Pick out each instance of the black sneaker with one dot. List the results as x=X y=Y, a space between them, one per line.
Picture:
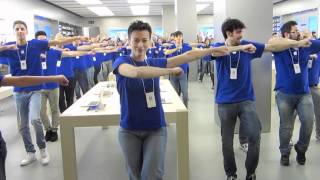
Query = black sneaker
x=54 y=136
x=251 y=177
x=301 y=156
x=285 y=160
x=234 y=177
x=48 y=135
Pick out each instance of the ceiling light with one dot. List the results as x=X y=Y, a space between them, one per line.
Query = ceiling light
x=140 y=10
x=101 y=11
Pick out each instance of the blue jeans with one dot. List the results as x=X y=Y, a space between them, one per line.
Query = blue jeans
x=81 y=81
x=90 y=75
x=287 y=105
x=144 y=153
x=28 y=106
x=251 y=129
x=180 y=84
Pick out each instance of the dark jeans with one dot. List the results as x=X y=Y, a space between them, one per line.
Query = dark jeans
x=3 y=155
x=207 y=67
x=82 y=79
x=287 y=105
x=96 y=73
x=66 y=95
x=251 y=128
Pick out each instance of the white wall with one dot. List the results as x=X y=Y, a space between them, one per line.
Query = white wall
x=11 y=10
x=123 y=22
x=293 y=6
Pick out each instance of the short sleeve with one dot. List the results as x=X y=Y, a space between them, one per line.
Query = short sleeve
x=260 y=49
x=118 y=62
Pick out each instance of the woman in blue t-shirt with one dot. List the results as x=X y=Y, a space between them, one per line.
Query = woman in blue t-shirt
x=143 y=133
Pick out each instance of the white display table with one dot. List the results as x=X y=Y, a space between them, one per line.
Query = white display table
x=78 y=116
x=6 y=92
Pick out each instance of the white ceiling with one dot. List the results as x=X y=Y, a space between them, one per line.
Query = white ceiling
x=118 y=7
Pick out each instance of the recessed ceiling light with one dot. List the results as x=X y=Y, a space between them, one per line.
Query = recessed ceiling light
x=101 y=11
x=140 y=10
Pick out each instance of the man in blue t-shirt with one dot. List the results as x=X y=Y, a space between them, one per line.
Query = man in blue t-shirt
x=143 y=133
x=293 y=94
x=50 y=60
x=235 y=95
x=25 y=60
x=21 y=81
x=180 y=83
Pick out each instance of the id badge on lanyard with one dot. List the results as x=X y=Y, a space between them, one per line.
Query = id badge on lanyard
x=233 y=73
x=151 y=100
x=44 y=65
x=297 y=69
x=59 y=63
x=310 y=61
x=23 y=64
x=94 y=59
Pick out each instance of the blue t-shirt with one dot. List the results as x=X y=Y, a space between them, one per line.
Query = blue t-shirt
x=286 y=80
x=67 y=63
x=97 y=59
x=89 y=61
x=185 y=48
x=160 y=51
x=52 y=58
x=80 y=63
x=240 y=89
x=314 y=72
x=4 y=60
x=107 y=56
x=205 y=58
x=32 y=56
x=151 y=53
x=123 y=51
x=135 y=115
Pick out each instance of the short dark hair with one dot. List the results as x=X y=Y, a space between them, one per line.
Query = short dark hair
x=231 y=25
x=40 y=33
x=177 y=33
x=139 y=25
x=286 y=27
x=19 y=22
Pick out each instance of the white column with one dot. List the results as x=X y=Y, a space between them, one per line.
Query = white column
x=168 y=20
x=186 y=20
x=259 y=28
